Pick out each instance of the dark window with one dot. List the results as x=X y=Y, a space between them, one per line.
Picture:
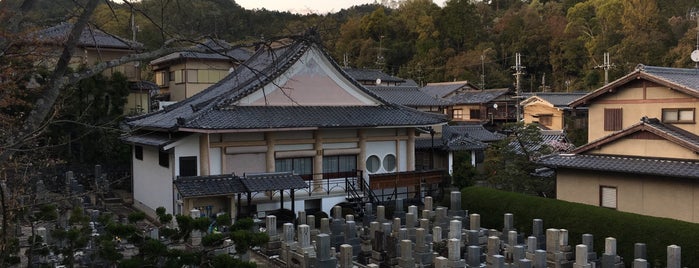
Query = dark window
x=608 y=197
x=302 y=166
x=475 y=113
x=612 y=119
x=138 y=152
x=546 y=119
x=188 y=166
x=163 y=159
x=338 y=166
x=678 y=115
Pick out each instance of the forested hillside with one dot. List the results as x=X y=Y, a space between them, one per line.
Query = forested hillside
x=561 y=42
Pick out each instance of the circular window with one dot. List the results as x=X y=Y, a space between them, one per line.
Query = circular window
x=389 y=162
x=373 y=163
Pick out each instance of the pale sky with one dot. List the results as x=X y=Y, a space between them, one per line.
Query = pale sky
x=306 y=6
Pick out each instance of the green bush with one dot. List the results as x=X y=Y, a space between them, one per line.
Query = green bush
x=579 y=219
x=212 y=240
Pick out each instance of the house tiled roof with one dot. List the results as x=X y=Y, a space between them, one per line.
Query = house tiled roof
x=213 y=50
x=157 y=139
x=680 y=79
x=476 y=131
x=362 y=74
x=624 y=164
x=90 y=37
x=272 y=181
x=442 y=89
x=407 y=95
x=477 y=96
x=557 y=99
x=451 y=144
x=214 y=185
x=672 y=133
x=215 y=107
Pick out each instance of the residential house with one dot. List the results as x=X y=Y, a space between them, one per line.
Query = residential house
x=550 y=110
x=95 y=46
x=473 y=105
x=649 y=166
x=181 y=75
x=291 y=108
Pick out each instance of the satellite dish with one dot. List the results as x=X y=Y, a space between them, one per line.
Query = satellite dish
x=378 y=80
x=695 y=55
x=495 y=105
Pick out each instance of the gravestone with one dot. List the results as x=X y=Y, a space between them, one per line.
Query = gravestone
x=325 y=255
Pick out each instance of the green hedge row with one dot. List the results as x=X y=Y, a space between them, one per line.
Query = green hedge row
x=579 y=219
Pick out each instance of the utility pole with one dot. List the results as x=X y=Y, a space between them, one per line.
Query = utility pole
x=482 y=72
x=606 y=66
x=519 y=70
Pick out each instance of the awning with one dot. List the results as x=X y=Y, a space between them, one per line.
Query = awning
x=273 y=181
x=215 y=185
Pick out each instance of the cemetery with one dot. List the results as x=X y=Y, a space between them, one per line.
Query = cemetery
x=440 y=237
x=390 y=234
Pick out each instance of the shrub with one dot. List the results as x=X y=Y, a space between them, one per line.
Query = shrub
x=579 y=219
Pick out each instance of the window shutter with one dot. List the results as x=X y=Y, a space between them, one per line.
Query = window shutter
x=612 y=119
x=608 y=197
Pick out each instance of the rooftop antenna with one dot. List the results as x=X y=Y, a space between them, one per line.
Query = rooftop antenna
x=482 y=72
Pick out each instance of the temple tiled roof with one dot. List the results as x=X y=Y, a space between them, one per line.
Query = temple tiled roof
x=216 y=107
x=90 y=37
x=624 y=164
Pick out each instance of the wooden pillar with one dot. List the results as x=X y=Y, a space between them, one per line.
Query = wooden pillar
x=361 y=162
x=318 y=162
x=204 y=154
x=293 y=200
x=410 y=150
x=269 y=137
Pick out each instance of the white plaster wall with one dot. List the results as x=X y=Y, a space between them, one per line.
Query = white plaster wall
x=188 y=146
x=381 y=149
x=215 y=167
x=329 y=202
x=269 y=206
x=152 y=183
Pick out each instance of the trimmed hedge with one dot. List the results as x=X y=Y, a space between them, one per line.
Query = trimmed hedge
x=579 y=219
